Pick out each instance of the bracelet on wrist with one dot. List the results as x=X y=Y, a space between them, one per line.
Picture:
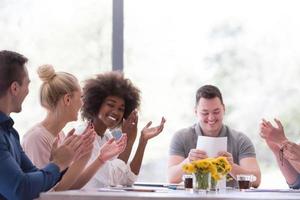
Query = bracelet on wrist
x=101 y=159
x=282 y=146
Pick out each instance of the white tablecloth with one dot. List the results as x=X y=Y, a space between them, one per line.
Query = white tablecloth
x=167 y=194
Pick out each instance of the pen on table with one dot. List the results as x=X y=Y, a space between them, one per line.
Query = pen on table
x=139 y=190
x=149 y=184
x=172 y=187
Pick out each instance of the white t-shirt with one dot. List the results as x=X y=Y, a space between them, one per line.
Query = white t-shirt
x=113 y=172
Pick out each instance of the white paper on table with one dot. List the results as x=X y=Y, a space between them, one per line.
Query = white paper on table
x=212 y=145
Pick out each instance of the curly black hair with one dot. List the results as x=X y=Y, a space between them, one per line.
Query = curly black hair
x=107 y=84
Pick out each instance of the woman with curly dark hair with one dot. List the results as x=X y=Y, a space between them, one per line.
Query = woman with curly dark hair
x=111 y=101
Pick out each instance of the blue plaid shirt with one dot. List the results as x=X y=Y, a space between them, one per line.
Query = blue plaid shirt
x=19 y=178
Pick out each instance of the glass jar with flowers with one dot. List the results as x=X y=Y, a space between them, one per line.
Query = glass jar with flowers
x=223 y=167
x=207 y=172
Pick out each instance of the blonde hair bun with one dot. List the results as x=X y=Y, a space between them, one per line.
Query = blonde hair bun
x=46 y=73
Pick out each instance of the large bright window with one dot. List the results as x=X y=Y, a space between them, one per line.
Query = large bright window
x=250 y=49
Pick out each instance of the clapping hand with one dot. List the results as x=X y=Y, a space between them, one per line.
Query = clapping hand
x=129 y=126
x=272 y=135
x=112 y=148
x=88 y=137
x=63 y=155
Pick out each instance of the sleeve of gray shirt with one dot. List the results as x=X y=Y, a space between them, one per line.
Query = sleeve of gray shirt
x=246 y=147
x=177 y=144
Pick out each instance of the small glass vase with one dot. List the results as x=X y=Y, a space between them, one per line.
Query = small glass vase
x=214 y=185
x=202 y=182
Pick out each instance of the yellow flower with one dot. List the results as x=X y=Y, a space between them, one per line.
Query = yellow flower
x=222 y=165
x=228 y=168
x=222 y=161
x=202 y=166
x=216 y=176
x=189 y=168
x=185 y=167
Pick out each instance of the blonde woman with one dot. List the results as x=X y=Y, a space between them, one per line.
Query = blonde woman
x=60 y=95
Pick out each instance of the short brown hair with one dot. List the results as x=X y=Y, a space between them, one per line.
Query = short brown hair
x=11 y=69
x=208 y=92
x=107 y=84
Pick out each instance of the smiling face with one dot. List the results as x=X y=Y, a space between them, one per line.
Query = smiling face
x=210 y=114
x=20 y=91
x=111 y=111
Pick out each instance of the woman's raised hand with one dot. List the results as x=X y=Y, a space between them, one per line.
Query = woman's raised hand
x=150 y=132
x=112 y=148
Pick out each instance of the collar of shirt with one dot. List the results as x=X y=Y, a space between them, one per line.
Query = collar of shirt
x=102 y=140
x=6 y=121
x=223 y=132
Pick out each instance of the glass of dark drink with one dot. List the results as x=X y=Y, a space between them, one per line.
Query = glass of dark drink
x=188 y=181
x=244 y=181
